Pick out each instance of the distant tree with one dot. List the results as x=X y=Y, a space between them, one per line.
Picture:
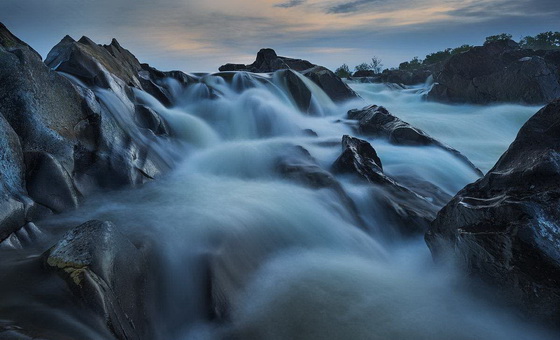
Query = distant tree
x=498 y=37
x=376 y=65
x=343 y=71
x=436 y=57
x=411 y=65
x=461 y=49
x=439 y=56
x=363 y=67
x=542 y=41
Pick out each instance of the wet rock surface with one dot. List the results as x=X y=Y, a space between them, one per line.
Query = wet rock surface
x=61 y=141
x=504 y=228
x=377 y=121
x=107 y=272
x=405 y=208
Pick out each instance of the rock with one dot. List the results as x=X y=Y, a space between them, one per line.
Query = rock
x=377 y=121
x=364 y=73
x=504 y=228
x=300 y=93
x=268 y=61
x=298 y=165
x=76 y=141
x=406 y=77
x=48 y=183
x=498 y=72
x=106 y=271
x=147 y=118
x=333 y=86
x=410 y=212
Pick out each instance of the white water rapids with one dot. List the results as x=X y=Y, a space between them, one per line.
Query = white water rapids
x=292 y=260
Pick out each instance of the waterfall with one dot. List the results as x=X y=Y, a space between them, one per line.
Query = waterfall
x=292 y=260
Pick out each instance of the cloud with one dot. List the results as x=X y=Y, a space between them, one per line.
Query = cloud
x=290 y=4
x=349 y=7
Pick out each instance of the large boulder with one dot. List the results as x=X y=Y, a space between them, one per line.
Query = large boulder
x=505 y=227
x=268 y=61
x=376 y=121
x=62 y=140
x=107 y=272
x=498 y=72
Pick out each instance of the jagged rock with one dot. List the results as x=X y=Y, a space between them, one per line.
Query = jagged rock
x=498 y=72
x=505 y=227
x=75 y=141
x=377 y=121
x=106 y=271
x=406 y=209
x=268 y=61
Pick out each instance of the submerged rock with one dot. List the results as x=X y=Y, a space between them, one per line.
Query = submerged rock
x=377 y=121
x=498 y=72
x=107 y=272
x=505 y=227
x=404 y=208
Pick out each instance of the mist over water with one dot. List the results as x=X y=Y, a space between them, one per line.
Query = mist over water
x=292 y=261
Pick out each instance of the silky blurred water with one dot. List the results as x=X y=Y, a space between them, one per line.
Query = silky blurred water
x=291 y=259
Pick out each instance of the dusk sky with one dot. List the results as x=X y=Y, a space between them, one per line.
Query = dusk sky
x=202 y=35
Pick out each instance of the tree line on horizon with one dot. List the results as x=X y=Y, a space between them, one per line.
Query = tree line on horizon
x=542 y=41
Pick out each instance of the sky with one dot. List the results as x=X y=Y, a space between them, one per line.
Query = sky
x=199 y=36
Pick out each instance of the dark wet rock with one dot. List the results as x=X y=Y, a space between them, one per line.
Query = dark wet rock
x=106 y=271
x=298 y=165
x=268 y=61
x=406 y=77
x=364 y=73
x=300 y=93
x=48 y=183
x=147 y=118
x=504 y=228
x=498 y=72
x=333 y=86
x=76 y=141
x=402 y=207
x=377 y=121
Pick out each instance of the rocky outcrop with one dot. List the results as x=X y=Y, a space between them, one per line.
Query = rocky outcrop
x=403 y=77
x=500 y=71
x=406 y=209
x=268 y=61
x=377 y=121
x=60 y=139
x=105 y=271
x=505 y=228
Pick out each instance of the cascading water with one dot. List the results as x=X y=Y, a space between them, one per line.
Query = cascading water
x=291 y=261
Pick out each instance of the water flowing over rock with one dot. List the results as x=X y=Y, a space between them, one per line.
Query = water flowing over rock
x=504 y=228
x=268 y=61
x=64 y=139
x=405 y=208
x=377 y=121
x=498 y=72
